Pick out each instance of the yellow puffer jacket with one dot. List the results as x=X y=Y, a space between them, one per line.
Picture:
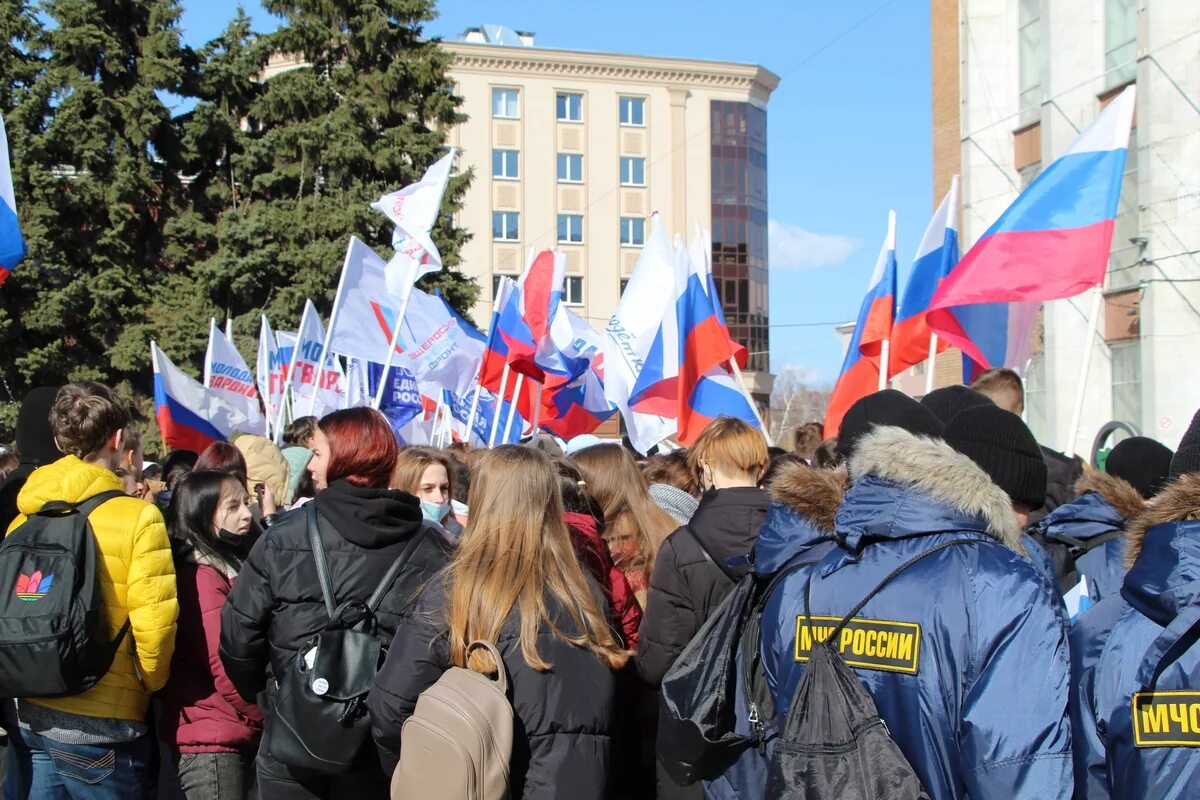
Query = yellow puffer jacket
x=137 y=583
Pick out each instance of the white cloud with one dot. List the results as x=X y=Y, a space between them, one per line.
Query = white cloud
x=792 y=247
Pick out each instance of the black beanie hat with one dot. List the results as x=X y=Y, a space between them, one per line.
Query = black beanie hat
x=888 y=407
x=946 y=403
x=1143 y=462
x=1187 y=455
x=35 y=440
x=1000 y=443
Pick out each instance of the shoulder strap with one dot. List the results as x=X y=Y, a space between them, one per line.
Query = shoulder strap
x=837 y=629
x=85 y=507
x=1081 y=547
x=708 y=556
x=394 y=571
x=1175 y=639
x=314 y=541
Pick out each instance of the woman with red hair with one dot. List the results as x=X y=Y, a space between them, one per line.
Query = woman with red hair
x=276 y=606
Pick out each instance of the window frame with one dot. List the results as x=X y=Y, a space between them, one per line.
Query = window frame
x=516 y=215
x=568 y=159
x=573 y=280
x=516 y=93
x=516 y=159
x=568 y=96
x=632 y=100
x=569 y=218
x=640 y=223
x=630 y=160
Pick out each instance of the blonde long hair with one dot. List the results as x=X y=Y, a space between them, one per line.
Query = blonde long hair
x=516 y=553
x=617 y=484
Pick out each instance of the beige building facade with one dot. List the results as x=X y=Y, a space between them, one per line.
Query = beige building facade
x=576 y=150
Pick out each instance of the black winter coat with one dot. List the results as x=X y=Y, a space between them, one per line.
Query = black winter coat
x=564 y=716
x=687 y=585
x=275 y=605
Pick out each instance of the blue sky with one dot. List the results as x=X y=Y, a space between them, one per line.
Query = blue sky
x=848 y=128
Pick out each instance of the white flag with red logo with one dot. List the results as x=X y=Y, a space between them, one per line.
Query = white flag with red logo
x=414 y=210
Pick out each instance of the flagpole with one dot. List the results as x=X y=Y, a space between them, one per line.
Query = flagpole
x=741 y=382
x=290 y=379
x=333 y=315
x=208 y=353
x=499 y=405
x=884 y=352
x=474 y=409
x=512 y=409
x=1085 y=364
x=387 y=364
x=537 y=408
x=931 y=363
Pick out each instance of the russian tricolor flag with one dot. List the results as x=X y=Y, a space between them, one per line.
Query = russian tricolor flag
x=1052 y=242
x=189 y=416
x=936 y=256
x=12 y=244
x=524 y=322
x=860 y=369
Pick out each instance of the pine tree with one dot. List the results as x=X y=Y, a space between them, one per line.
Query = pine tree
x=96 y=165
x=367 y=115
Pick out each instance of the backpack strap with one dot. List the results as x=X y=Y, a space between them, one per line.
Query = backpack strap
x=394 y=571
x=837 y=629
x=314 y=541
x=1176 y=639
x=1081 y=547
x=708 y=556
x=56 y=508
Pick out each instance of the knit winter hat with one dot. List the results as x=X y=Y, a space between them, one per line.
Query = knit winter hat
x=1143 y=462
x=1187 y=455
x=1000 y=443
x=946 y=403
x=35 y=440
x=891 y=408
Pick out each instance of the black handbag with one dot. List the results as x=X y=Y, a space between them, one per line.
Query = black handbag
x=319 y=719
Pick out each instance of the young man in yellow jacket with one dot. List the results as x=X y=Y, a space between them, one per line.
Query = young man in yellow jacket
x=95 y=746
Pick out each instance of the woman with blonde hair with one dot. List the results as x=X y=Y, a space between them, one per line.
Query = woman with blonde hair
x=634 y=526
x=428 y=474
x=515 y=581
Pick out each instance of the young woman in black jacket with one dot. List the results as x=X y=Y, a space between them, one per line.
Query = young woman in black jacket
x=276 y=604
x=516 y=581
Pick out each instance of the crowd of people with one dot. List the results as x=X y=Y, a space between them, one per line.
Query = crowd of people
x=930 y=547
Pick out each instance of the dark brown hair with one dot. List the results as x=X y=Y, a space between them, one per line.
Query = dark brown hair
x=807 y=439
x=672 y=469
x=84 y=416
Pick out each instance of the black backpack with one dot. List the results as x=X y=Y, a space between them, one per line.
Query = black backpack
x=319 y=719
x=833 y=742
x=54 y=638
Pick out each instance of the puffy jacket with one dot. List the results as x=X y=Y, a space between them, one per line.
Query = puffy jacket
x=1104 y=505
x=564 y=716
x=593 y=554
x=1115 y=649
x=965 y=652
x=276 y=606
x=799 y=529
x=137 y=584
x=201 y=711
x=691 y=578
x=265 y=463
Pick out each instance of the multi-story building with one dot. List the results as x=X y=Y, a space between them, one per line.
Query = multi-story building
x=576 y=150
x=1013 y=83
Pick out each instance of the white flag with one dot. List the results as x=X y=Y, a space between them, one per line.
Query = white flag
x=631 y=331
x=271 y=368
x=365 y=312
x=414 y=210
x=306 y=394
x=439 y=346
x=227 y=376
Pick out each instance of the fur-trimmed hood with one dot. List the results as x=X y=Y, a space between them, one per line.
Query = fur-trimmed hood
x=1117 y=492
x=933 y=488
x=1163 y=551
x=804 y=504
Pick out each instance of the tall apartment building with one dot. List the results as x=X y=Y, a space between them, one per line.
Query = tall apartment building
x=1013 y=83
x=575 y=150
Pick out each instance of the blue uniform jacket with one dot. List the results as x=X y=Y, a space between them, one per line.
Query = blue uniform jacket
x=1104 y=506
x=965 y=653
x=1151 y=752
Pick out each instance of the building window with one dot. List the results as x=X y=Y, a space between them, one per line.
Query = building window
x=506 y=164
x=1029 y=36
x=1125 y=258
x=505 y=103
x=570 y=107
x=1120 y=41
x=633 y=231
x=570 y=228
x=624 y=284
x=573 y=290
x=633 y=111
x=633 y=171
x=570 y=168
x=497 y=277
x=506 y=226
x=1127 y=381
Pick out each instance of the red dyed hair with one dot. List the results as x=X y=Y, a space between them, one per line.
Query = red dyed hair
x=362 y=447
x=223 y=457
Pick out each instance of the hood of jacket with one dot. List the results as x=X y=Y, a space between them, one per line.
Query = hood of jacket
x=907 y=485
x=369 y=518
x=265 y=463
x=1163 y=552
x=804 y=504
x=728 y=520
x=69 y=479
x=1104 y=503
